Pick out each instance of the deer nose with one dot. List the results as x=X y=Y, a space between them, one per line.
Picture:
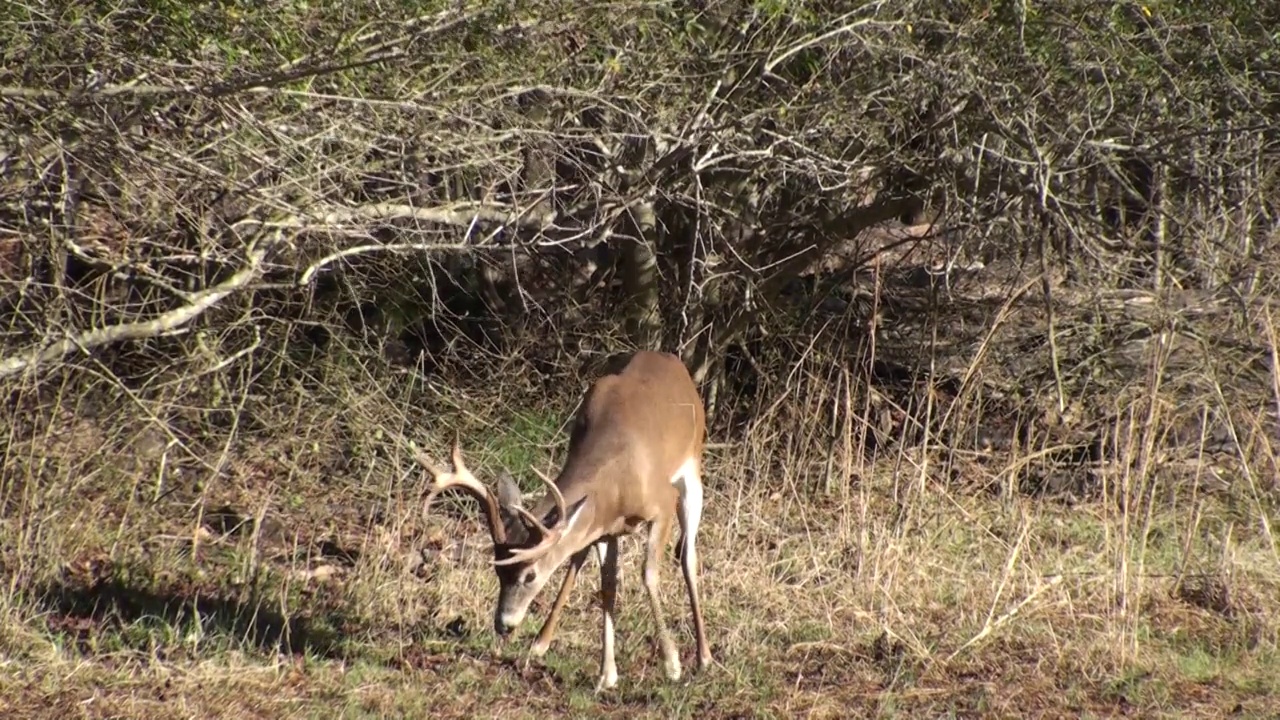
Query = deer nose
x=503 y=624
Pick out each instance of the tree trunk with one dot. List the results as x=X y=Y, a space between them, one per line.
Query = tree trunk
x=640 y=279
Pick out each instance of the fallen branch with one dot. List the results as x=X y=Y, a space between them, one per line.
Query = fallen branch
x=155 y=327
x=463 y=214
x=317 y=266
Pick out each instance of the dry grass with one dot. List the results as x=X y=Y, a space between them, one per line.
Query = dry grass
x=298 y=579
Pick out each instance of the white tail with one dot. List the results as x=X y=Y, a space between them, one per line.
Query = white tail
x=635 y=458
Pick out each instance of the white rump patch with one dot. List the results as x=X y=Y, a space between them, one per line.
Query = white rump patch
x=689 y=511
x=685 y=470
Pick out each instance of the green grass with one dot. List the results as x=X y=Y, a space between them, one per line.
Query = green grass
x=520 y=445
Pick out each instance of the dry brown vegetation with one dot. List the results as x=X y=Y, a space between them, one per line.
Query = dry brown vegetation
x=982 y=298
x=296 y=576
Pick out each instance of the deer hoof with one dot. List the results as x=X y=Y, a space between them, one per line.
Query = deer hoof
x=607 y=681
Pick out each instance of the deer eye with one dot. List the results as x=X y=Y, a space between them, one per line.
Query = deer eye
x=528 y=577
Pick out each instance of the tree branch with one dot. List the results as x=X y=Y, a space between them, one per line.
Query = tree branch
x=166 y=322
x=462 y=215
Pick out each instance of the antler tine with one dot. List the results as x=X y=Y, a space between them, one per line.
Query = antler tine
x=461 y=477
x=549 y=538
x=561 y=512
x=459 y=466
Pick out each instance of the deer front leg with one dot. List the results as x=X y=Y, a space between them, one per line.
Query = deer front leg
x=548 y=631
x=659 y=534
x=608 y=550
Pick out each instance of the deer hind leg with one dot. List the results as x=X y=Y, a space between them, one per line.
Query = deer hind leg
x=689 y=482
x=608 y=552
x=659 y=534
x=548 y=631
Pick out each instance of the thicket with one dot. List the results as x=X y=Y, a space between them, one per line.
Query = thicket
x=981 y=224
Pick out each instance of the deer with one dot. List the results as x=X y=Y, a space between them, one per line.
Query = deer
x=634 y=462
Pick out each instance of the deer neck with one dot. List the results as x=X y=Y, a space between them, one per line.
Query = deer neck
x=590 y=482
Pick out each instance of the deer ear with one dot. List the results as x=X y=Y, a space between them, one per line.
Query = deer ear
x=508 y=492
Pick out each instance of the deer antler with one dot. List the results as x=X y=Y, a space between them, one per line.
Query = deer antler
x=548 y=536
x=561 y=513
x=461 y=477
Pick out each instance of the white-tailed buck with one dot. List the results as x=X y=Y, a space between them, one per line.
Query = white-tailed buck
x=635 y=456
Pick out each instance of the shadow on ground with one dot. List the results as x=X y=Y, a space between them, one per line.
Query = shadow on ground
x=87 y=613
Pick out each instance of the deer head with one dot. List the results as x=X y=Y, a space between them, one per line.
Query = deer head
x=524 y=545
